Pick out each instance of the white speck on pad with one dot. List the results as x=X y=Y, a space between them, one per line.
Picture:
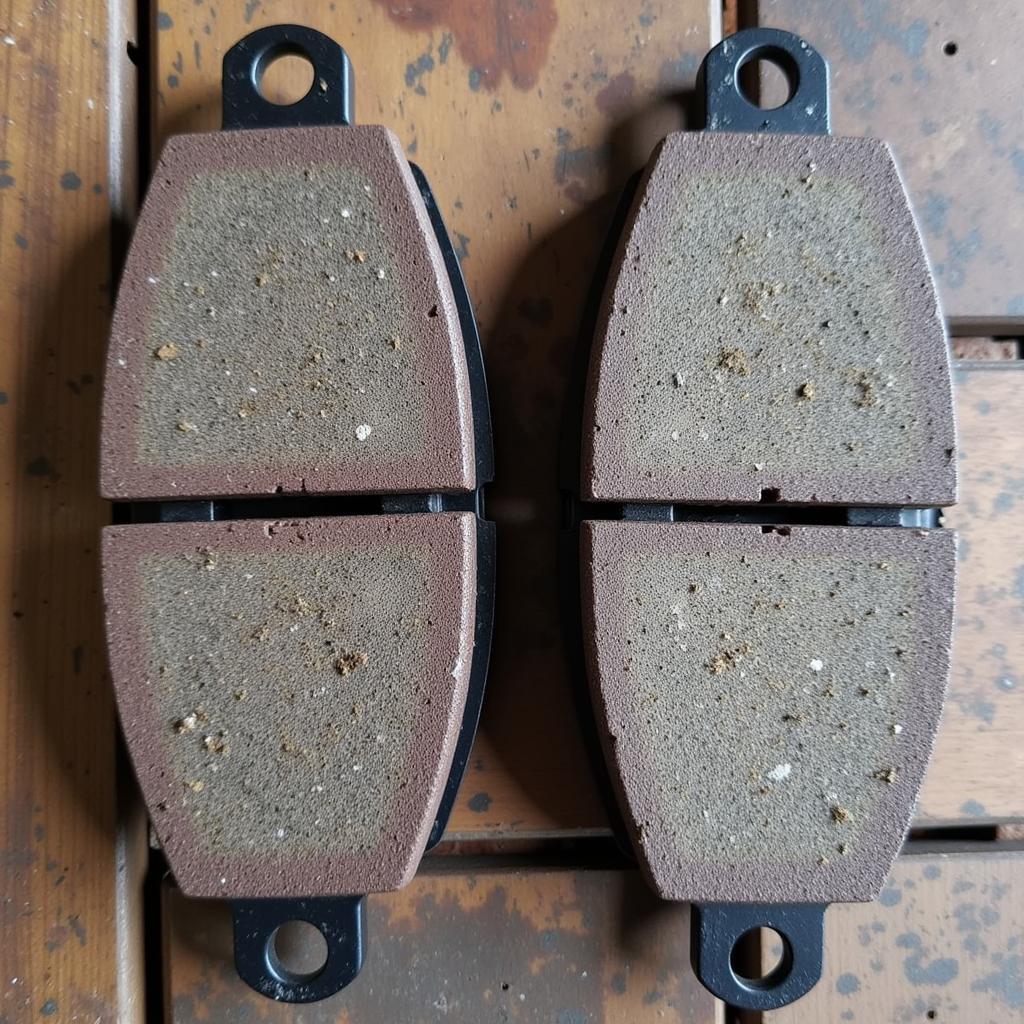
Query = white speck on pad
x=816 y=665
x=780 y=772
x=363 y=431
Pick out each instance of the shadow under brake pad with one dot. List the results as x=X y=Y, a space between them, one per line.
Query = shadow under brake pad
x=299 y=588
x=766 y=606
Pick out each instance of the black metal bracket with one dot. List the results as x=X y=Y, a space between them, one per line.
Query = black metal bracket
x=716 y=929
x=340 y=920
x=570 y=444
x=483 y=435
x=727 y=109
x=330 y=99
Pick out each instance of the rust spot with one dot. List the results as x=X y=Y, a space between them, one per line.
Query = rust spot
x=492 y=37
x=616 y=95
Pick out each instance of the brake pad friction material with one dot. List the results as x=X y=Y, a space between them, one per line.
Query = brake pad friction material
x=292 y=692
x=772 y=327
x=285 y=324
x=768 y=700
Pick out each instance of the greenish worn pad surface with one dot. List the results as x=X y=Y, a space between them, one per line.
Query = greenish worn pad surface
x=770 y=326
x=285 y=324
x=768 y=699
x=291 y=692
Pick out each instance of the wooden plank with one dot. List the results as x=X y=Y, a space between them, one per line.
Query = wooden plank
x=525 y=162
x=477 y=945
x=69 y=935
x=941 y=80
x=978 y=764
x=943 y=943
x=979 y=756
x=528 y=262
x=985 y=349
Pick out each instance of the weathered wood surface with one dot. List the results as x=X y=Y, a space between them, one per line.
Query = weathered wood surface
x=943 y=944
x=527 y=128
x=941 y=80
x=571 y=947
x=978 y=765
x=986 y=349
x=69 y=938
x=527 y=202
x=527 y=121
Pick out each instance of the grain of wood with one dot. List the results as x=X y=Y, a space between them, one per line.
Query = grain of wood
x=942 y=943
x=70 y=947
x=985 y=349
x=526 y=201
x=527 y=130
x=978 y=765
x=943 y=86
x=517 y=946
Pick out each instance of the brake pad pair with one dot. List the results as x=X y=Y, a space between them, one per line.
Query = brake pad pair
x=299 y=587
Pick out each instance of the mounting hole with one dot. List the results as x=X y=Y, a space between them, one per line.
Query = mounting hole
x=950 y=49
x=761 y=958
x=284 y=77
x=767 y=77
x=296 y=952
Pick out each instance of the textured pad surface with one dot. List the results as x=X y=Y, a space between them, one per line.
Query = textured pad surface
x=768 y=700
x=772 y=325
x=285 y=322
x=292 y=692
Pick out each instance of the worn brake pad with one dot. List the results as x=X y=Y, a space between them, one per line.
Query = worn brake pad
x=767 y=426
x=299 y=590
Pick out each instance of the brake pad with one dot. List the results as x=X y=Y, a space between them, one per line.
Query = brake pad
x=285 y=325
x=770 y=696
x=773 y=329
x=299 y=590
x=764 y=602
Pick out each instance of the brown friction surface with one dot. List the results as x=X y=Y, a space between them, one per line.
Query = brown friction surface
x=768 y=700
x=771 y=328
x=292 y=692
x=285 y=323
